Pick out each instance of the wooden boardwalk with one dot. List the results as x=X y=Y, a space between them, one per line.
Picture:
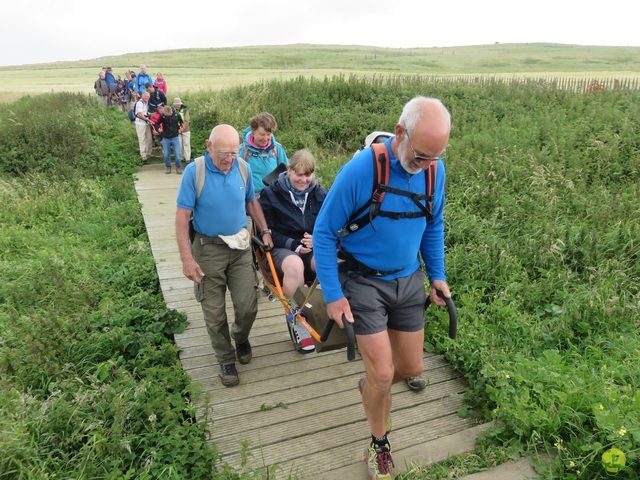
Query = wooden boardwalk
x=299 y=412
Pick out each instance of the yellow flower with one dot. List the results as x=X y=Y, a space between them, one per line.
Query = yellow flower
x=622 y=431
x=601 y=407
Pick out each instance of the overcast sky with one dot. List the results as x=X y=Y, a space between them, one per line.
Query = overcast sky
x=36 y=31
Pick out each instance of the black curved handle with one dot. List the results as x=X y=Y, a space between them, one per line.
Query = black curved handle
x=326 y=331
x=453 y=313
x=348 y=331
x=351 y=339
x=260 y=243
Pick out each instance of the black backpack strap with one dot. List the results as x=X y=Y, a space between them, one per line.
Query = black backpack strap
x=350 y=263
x=425 y=211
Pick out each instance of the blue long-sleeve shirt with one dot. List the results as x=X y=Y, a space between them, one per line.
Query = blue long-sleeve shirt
x=386 y=244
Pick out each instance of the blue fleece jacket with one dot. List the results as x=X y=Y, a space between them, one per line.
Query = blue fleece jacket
x=385 y=244
x=261 y=161
x=141 y=80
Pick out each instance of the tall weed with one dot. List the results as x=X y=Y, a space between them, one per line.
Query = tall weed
x=65 y=134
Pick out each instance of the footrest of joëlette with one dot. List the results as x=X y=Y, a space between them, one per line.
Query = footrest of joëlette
x=315 y=313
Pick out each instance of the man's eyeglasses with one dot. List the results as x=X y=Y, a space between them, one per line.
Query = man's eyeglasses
x=423 y=158
x=225 y=154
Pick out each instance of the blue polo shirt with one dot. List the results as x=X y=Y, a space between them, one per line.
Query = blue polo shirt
x=221 y=207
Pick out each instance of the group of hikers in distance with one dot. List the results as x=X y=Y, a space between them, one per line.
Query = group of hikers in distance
x=157 y=123
x=122 y=92
x=373 y=276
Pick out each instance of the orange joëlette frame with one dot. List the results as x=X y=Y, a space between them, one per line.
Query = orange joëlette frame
x=275 y=286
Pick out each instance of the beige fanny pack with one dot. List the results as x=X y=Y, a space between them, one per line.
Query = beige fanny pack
x=238 y=241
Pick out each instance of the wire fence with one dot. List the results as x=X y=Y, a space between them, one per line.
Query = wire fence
x=585 y=85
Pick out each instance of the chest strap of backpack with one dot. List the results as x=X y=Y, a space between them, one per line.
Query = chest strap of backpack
x=273 y=152
x=381 y=172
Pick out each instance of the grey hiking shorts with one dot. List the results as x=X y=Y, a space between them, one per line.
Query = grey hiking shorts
x=378 y=305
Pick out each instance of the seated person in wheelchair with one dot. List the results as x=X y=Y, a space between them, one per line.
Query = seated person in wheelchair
x=290 y=205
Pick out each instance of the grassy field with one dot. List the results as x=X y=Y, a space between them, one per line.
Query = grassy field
x=219 y=68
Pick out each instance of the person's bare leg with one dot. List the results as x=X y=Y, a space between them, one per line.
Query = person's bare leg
x=376 y=393
x=292 y=275
x=406 y=348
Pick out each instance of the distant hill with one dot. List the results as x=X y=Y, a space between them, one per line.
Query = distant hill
x=215 y=68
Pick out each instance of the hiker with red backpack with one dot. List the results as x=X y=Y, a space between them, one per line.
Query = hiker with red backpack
x=370 y=234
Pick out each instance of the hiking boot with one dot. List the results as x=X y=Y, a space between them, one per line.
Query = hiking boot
x=301 y=338
x=229 y=375
x=379 y=462
x=416 y=383
x=243 y=352
x=168 y=170
x=389 y=425
x=179 y=170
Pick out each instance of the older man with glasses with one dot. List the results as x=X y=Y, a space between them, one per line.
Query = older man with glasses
x=220 y=255
x=380 y=286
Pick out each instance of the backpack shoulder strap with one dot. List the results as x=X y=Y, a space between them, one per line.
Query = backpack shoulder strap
x=380 y=171
x=200 y=175
x=430 y=182
x=244 y=170
x=381 y=168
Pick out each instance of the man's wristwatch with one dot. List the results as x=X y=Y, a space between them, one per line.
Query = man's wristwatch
x=264 y=232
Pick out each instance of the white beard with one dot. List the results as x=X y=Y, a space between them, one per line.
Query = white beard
x=408 y=167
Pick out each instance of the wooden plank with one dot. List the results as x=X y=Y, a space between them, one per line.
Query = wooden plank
x=300 y=412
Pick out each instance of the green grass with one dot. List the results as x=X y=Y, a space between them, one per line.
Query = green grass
x=542 y=258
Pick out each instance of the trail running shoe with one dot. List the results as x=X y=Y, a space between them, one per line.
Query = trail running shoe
x=389 y=423
x=301 y=338
x=379 y=462
x=416 y=383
